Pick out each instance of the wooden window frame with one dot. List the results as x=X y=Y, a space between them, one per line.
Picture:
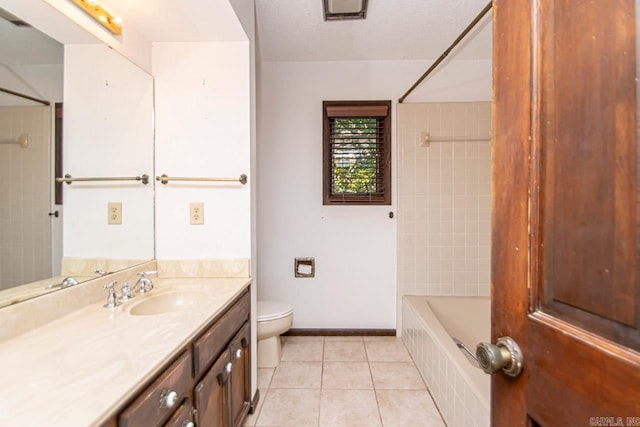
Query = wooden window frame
x=356 y=109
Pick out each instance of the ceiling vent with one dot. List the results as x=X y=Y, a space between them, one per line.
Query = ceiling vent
x=338 y=10
x=13 y=19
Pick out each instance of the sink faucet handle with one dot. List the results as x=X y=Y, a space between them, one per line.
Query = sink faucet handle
x=112 y=299
x=100 y=272
x=143 y=273
x=127 y=292
x=110 y=285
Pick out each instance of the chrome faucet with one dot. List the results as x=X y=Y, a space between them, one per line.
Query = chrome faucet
x=66 y=282
x=112 y=299
x=127 y=292
x=144 y=284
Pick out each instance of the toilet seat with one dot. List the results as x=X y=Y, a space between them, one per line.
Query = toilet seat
x=272 y=310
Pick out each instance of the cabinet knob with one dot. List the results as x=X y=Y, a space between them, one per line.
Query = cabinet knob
x=228 y=367
x=238 y=353
x=168 y=399
x=189 y=424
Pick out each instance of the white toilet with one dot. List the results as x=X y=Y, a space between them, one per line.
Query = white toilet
x=274 y=318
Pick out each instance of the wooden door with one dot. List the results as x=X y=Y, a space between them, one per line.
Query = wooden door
x=565 y=211
x=240 y=389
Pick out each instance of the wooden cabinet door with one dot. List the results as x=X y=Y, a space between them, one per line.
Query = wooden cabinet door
x=240 y=375
x=565 y=248
x=211 y=395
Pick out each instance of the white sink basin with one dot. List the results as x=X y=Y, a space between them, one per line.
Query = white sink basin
x=167 y=302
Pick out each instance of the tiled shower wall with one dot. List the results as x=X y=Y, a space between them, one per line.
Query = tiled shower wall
x=444 y=199
x=25 y=179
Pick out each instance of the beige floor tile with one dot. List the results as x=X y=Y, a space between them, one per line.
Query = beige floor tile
x=337 y=393
x=346 y=375
x=252 y=419
x=396 y=376
x=304 y=338
x=349 y=408
x=302 y=349
x=408 y=408
x=381 y=338
x=387 y=351
x=282 y=408
x=344 y=351
x=343 y=338
x=264 y=377
x=297 y=375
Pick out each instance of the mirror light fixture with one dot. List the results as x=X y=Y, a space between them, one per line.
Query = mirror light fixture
x=336 y=10
x=97 y=12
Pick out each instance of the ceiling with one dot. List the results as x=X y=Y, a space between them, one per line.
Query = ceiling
x=27 y=46
x=289 y=30
x=179 y=21
x=294 y=30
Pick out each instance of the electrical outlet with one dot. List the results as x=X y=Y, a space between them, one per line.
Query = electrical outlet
x=115 y=213
x=196 y=213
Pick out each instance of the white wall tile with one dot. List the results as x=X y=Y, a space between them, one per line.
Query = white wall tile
x=25 y=227
x=444 y=194
x=454 y=397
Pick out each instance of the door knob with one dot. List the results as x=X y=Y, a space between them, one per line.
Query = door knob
x=504 y=354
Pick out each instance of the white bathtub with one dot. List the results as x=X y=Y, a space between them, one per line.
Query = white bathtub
x=461 y=391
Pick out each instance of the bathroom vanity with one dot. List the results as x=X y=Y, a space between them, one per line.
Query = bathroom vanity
x=177 y=355
x=208 y=384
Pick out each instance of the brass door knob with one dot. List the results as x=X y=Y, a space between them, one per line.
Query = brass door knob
x=504 y=354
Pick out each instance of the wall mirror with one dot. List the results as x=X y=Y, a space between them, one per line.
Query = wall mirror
x=107 y=132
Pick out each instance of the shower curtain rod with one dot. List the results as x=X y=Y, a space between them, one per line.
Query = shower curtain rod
x=446 y=52
x=22 y=95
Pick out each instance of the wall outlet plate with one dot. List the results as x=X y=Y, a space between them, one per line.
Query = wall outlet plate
x=114 y=215
x=196 y=213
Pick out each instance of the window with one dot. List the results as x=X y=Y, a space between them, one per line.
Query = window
x=357 y=152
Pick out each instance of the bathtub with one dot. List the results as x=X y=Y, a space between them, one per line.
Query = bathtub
x=460 y=389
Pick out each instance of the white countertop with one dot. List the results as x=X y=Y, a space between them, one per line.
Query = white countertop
x=24 y=292
x=79 y=369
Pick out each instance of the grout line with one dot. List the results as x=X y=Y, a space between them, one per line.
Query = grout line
x=322 y=366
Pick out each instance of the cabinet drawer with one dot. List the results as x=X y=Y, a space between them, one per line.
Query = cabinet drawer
x=183 y=417
x=152 y=407
x=209 y=345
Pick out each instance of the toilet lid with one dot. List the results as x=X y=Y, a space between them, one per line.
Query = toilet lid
x=271 y=310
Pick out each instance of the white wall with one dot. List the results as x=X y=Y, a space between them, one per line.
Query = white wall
x=245 y=10
x=354 y=247
x=108 y=131
x=203 y=130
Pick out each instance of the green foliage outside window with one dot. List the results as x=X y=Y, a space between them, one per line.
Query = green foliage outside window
x=355 y=156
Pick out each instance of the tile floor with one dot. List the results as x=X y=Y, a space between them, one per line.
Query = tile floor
x=344 y=381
